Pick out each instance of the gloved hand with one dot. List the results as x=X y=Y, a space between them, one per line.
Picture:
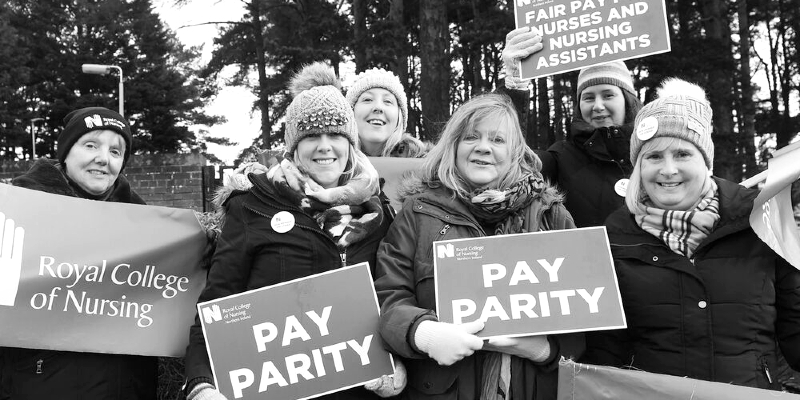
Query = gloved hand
x=520 y=43
x=205 y=391
x=534 y=348
x=389 y=385
x=447 y=343
x=287 y=172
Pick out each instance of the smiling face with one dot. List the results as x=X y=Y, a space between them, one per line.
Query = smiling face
x=673 y=173
x=324 y=157
x=95 y=160
x=482 y=156
x=603 y=105
x=377 y=113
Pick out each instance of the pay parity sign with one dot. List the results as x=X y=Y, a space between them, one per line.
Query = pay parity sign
x=298 y=339
x=529 y=284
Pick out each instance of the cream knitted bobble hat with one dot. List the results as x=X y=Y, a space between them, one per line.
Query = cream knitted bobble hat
x=318 y=107
x=680 y=111
x=380 y=78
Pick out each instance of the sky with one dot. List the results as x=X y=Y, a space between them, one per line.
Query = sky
x=234 y=103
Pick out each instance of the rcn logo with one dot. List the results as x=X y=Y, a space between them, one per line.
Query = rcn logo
x=211 y=314
x=445 y=250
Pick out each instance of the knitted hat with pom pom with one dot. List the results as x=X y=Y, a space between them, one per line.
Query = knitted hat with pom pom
x=318 y=107
x=680 y=111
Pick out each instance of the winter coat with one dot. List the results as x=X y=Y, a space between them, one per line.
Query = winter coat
x=250 y=255
x=723 y=316
x=587 y=165
x=406 y=292
x=48 y=374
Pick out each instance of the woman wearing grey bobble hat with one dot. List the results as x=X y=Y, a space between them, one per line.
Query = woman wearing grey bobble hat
x=93 y=148
x=338 y=218
x=704 y=297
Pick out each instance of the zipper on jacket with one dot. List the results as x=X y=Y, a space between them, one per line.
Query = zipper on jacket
x=343 y=256
x=766 y=370
x=444 y=229
x=39 y=366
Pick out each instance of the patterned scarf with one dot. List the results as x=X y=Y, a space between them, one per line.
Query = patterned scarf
x=505 y=210
x=346 y=220
x=683 y=231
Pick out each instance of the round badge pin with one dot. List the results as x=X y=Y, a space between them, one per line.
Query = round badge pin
x=282 y=222
x=647 y=128
x=621 y=187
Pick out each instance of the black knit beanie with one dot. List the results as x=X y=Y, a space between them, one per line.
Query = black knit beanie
x=80 y=122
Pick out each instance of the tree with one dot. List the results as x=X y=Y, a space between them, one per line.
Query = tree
x=291 y=34
x=435 y=74
x=162 y=96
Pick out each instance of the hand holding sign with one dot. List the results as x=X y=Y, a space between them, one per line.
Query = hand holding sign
x=389 y=385
x=520 y=43
x=447 y=343
x=10 y=259
x=535 y=348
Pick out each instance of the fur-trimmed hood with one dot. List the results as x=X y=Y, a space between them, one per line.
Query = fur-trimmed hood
x=410 y=147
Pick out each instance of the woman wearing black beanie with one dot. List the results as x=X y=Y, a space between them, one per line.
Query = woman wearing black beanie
x=92 y=151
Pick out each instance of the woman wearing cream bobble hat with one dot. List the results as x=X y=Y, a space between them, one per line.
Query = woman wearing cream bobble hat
x=704 y=297
x=274 y=233
x=381 y=111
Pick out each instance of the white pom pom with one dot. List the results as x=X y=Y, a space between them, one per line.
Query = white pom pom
x=316 y=74
x=678 y=87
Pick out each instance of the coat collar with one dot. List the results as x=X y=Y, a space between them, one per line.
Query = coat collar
x=47 y=175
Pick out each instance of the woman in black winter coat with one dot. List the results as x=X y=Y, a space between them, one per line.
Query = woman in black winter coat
x=91 y=157
x=338 y=217
x=591 y=165
x=704 y=297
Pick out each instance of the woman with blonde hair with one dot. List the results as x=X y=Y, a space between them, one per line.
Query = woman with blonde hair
x=479 y=180
x=381 y=111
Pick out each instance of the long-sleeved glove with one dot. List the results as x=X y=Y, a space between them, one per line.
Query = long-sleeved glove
x=205 y=391
x=520 y=43
x=448 y=343
x=389 y=385
x=534 y=348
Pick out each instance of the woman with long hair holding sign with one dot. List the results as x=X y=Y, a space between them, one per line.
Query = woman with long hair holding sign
x=92 y=152
x=273 y=233
x=479 y=180
x=704 y=297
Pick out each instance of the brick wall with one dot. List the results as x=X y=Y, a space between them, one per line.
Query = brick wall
x=170 y=180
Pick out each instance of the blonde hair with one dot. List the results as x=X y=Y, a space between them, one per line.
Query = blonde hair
x=636 y=195
x=440 y=163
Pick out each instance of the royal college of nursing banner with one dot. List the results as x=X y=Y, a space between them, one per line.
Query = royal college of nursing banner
x=585 y=381
x=772 y=217
x=90 y=276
